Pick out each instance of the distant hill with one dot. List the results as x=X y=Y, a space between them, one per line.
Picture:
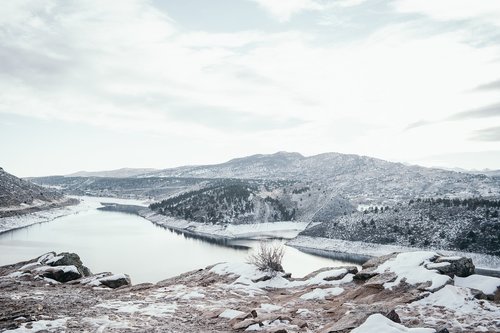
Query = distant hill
x=118 y=173
x=18 y=196
x=354 y=176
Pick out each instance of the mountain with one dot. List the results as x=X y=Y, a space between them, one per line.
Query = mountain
x=19 y=196
x=358 y=177
x=118 y=173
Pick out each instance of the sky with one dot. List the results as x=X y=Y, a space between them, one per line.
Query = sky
x=98 y=85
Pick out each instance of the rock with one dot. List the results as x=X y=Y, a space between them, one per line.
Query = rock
x=392 y=315
x=68 y=259
x=444 y=330
x=300 y=323
x=377 y=261
x=59 y=273
x=262 y=278
x=350 y=270
x=245 y=323
x=365 y=274
x=378 y=281
x=115 y=281
x=459 y=266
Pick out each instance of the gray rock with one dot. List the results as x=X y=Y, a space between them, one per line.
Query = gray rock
x=459 y=266
x=67 y=259
x=59 y=273
x=392 y=315
x=115 y=281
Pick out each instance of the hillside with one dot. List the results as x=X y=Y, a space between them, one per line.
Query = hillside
x=246 y=201
x=356 y=177
x=471 y=225
x=18 y=196
x=361 y=179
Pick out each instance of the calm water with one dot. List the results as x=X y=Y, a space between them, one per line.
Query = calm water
x=123 y=243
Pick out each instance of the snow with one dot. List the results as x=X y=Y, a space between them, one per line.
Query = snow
x=193 y=295
x=152 y=309
x=379 y=323
x=65 y=269
x=375 y=250
x=451 y=297
x=230 y=313
x=103 y=322
x=246 y=273
x=266 y=307
x=254 y=230
x=114 y=277
x=458 y=307
x=487 y=284
x=411 y=267
x=41 y=325
x=320 y=294
x=435 y=265
x=53 y=260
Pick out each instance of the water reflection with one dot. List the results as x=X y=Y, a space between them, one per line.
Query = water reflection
x=125 y=243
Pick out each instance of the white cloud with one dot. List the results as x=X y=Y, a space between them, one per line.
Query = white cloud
x=283 y=10
x=131 y=67
x=485 y=10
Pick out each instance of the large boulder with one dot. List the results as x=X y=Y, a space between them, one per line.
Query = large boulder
x=59 y=273
x=115 y=281
x=451 y=266
x=69 y=259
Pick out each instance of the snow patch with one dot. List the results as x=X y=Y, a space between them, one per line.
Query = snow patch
x=41 y=325
x=230 y=314
x=487 y=284
x=411 y=267
x=320 y=294
x=379 y=323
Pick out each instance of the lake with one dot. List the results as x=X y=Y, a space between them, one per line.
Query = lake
x=125 y=243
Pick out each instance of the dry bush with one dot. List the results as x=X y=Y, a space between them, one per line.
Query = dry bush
x=268 y=257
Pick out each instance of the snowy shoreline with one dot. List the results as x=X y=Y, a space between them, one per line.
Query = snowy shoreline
x=85 y=203
x=337 y=247
x=284 y=230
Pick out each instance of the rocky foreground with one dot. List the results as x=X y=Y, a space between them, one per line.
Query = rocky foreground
x=416 y=292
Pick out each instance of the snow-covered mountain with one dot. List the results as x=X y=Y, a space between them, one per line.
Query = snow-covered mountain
x=355 y=176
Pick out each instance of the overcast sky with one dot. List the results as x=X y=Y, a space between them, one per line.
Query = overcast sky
x=93 y=85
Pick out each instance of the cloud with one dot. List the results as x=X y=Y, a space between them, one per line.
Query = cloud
x=482 y=112
x=134 y=68
x=417 y=124
x=283 y=10
x=495 y=85
x=488 y=11
x=487 y=134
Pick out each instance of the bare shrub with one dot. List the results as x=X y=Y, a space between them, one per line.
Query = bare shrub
x=268 y=257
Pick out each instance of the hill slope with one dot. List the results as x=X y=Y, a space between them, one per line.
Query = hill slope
x=18 y=196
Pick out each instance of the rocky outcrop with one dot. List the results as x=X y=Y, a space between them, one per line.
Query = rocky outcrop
x=404 y=295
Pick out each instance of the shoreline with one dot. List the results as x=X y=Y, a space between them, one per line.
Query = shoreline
x=283 y=230
x=485 y=263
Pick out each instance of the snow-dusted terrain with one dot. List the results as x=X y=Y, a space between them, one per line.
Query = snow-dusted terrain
x=393 y=294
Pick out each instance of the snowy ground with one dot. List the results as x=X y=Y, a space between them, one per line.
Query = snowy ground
x=86 y=203
x=236 y=297
x=371 y=249
x=259 y=230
